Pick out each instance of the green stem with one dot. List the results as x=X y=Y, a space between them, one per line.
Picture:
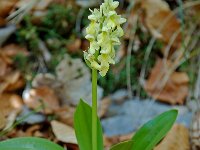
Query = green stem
x=94 y=109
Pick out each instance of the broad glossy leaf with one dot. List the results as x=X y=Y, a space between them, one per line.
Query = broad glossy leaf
x=154 y=130
x=126 y=145
x=29 y=143
x=83 y=127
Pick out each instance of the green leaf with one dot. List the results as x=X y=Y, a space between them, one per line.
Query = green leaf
x=83 y=127
x=154 y=130
x=14 y=148
x=126 y=145
x=29 y=143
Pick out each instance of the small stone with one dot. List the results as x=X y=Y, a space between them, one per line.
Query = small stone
x=118 y=125
x=129 y=116
x=113 y=111
x=185 y=119
x=119 y=96
x=193 y=105
x=6 y=32
x=27 y=116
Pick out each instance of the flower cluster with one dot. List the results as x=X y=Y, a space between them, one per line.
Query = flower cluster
x=103 y=33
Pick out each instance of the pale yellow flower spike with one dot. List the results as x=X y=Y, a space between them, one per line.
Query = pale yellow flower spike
x=103 y=33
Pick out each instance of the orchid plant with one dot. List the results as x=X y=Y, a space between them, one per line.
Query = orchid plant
x=103 y=34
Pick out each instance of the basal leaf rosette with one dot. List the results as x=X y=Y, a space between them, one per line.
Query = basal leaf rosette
x=103 y=33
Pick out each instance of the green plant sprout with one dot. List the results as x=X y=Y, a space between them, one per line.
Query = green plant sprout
x=103 y=33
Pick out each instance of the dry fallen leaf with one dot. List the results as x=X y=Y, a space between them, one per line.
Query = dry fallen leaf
x=2 y=121
x=74 y=46
x=9 y=103
x=176 y=139
x=158 y=14
x=109 y=141
x=42 y=96
x=5 y=7
x=5 y=58
x=13 y=49
x=3 y=66
x=33 y=129
x=15 y=86
x=63 y=132
x=10 y=106
x=11 y=119
x=10 y=78
x=65 y=114
x=11 y=82
x=176 y=88
x=156 y=17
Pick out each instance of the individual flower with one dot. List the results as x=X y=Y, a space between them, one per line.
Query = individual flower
x=103 y=33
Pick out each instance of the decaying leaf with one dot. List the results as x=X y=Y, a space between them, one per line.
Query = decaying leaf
x=176 y=139
x=63 y=132
x=42 y=97
x=174 y=90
